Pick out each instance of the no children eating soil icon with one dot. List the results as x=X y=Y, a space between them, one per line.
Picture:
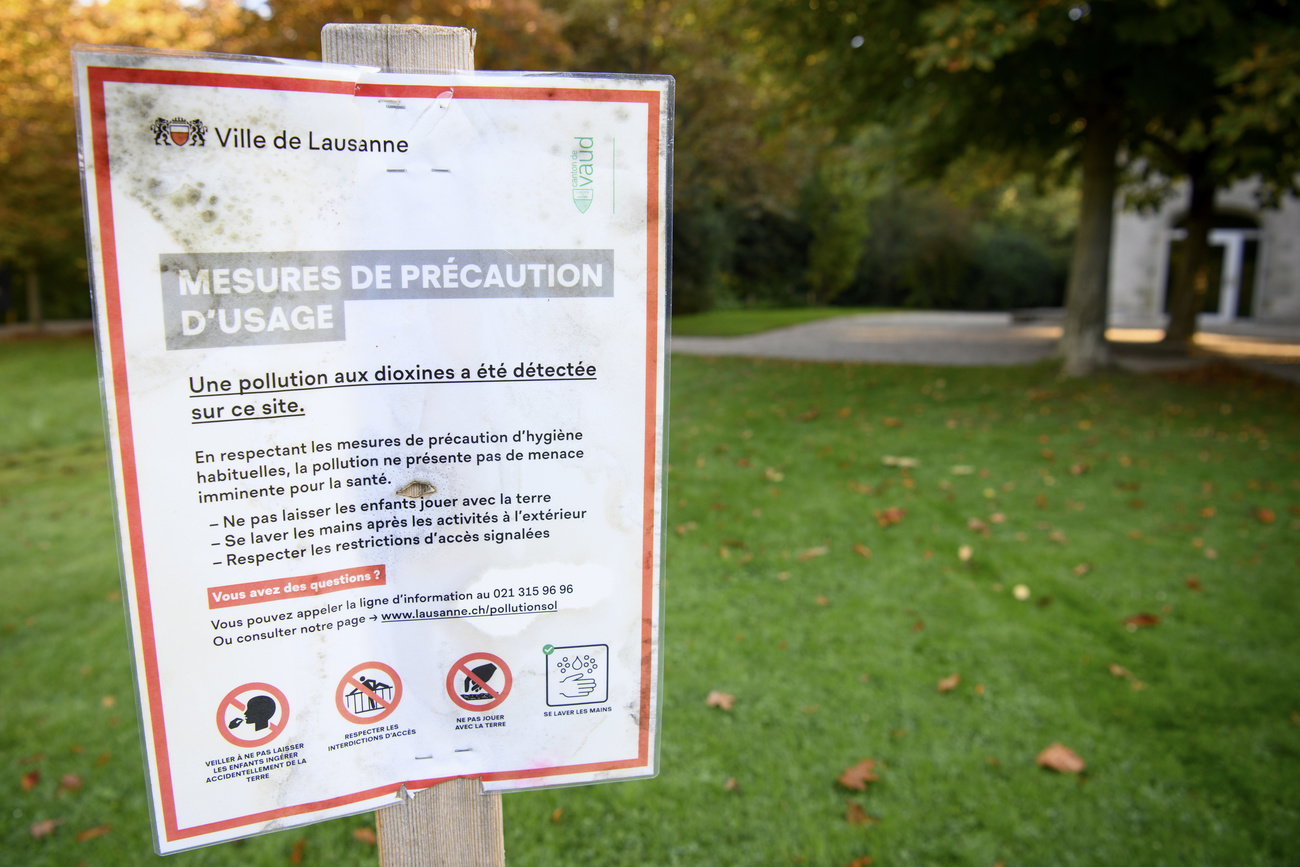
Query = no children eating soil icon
x=479 y=681
x=252 y=714
x=368 y=693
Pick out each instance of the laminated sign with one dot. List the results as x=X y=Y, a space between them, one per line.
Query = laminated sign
x=383 y=360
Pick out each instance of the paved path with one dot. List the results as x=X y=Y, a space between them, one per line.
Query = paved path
x=995 y=339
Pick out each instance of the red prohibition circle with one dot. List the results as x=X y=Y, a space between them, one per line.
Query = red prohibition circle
x=232 y=700
x=461 y=669
x=350 y=679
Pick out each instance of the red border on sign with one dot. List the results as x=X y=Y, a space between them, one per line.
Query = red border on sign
x=230 y=699
x=350 y=678
x=461 y=669
x=100 y=76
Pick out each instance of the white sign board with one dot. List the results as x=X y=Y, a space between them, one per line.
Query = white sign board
x=383 y=362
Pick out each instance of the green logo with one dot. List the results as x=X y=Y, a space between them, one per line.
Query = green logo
x=550 y=648
x=584 y=172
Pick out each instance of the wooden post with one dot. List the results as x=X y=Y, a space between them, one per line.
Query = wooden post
x=454 y=824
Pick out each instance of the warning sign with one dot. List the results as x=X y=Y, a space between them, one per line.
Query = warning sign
x=368 y=693
x=479 y=682
x=384 y=375
x=252 y=714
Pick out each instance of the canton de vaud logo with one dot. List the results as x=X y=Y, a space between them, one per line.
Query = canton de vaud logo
x=178 y=131
x=584 y=171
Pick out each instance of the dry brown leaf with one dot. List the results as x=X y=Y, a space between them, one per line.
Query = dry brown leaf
x=1082 y=569
x=823 y=601
x=1040 y=501
x=1079 y=469
x=1208 y=512
x=556 y=814
x=891 y=422
x=918 y=626
x=857 y=816
x=809 y=554
x=70 y=783
x=107 y=701
x=889 y=517
x=92 y=833
x=723 y=700
x=979 y=689
x=864 y=861
x=103 y=759
x=857 y=776
x=1119 y=671
x=1140 y=620
x=998 y=518
x=1061 y=759
x=949 y=683
x=965 y=553
x=731 y=785
x=862 y=550
x=44 y=828
x=30 y=779
x=295 y=854
x=1193 y=583
x=1266 y=516
x=365 y=834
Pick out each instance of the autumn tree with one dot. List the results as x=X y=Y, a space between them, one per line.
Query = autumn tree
x=1029 y=79
x=40 y=198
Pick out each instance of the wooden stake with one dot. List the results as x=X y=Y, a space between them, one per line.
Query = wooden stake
x=453 y=824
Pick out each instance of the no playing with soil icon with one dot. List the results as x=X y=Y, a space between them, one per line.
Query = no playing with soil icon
x=577 y=675
x=479 y=681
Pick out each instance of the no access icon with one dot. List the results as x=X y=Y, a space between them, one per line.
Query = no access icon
x=368 y=693
x=479 y=681
x=252 y=715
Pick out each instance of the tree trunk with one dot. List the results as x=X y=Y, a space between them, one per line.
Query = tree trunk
x=34 y=313
x=1084 y=341
x=1191 y=280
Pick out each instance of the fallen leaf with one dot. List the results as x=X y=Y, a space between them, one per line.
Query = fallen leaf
x=92 y=833
x=889 y=517
x=1082 y=569
x=963 y=470
x=365 y=834
x=76 y=749
x=819 y=551
x=864 y=861
x=979 y=689
x=1119 y=671
x=1040 y=501
x=1193 y=583
x=899 y=733
x=977 y=525
x=823 y=601
x=965 y=553
x=857 y=816
x=1208 y=512
x=949 y=683
x=295 y=855
x=891 y=422
x=1295 y=718
x=1266 y=516
x=556 y=814
x=1057 y=536
x=772 y=475
x=1140 y=620
x=107 y=701
x=1138 y=685
x=70 y=783
x=1061 y=759
x=998 y=518
x=896 y=461
x=30 y=779
x=1079 y=469
x=32 y=759
x=811 y=708
x=44 y=828
x=857 y=776
x=844 y=412
x=862 y=550
x=731 y=785
x=103 y=759
x=723 y=700
x=810 y=415
x=1021 y=592
x=918 y=626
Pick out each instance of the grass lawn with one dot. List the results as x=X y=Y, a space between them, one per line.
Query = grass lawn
x=737 y=323
x=1172 y=504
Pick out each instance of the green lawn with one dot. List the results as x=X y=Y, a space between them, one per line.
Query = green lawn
x=1107 y=499
x=737 y=323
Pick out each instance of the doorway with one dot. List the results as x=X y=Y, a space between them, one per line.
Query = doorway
x=1234 y=273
